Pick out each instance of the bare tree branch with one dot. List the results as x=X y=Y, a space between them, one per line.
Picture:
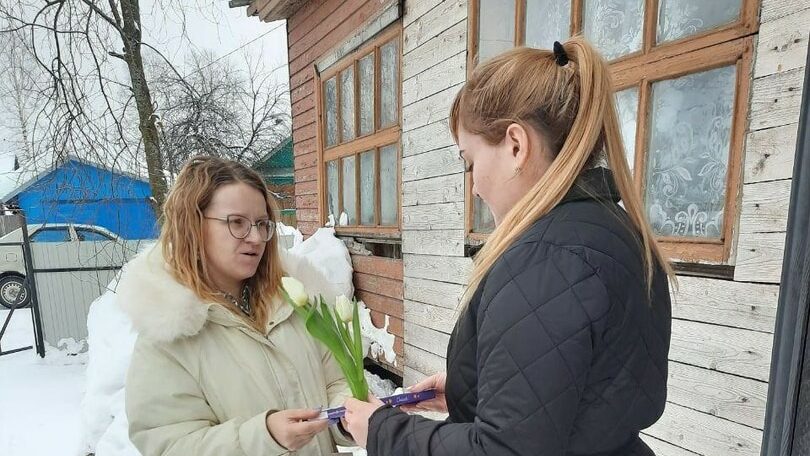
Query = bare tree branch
x=113 y=22
x=157 y=112
x=216 y=110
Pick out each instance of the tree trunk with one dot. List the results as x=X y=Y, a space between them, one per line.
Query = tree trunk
x=131 y=37
x=23 y=119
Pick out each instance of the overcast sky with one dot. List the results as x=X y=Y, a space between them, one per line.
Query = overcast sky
x=216 y=28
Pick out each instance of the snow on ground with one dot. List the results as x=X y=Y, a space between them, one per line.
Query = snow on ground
x=39 y=398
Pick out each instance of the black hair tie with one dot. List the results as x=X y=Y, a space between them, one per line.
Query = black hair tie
x=560 y=56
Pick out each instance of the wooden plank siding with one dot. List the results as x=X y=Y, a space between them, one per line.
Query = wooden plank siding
x=777 y=91
x=434 y=65
x=722 y=329
x=705 y=434
x=312 y=32
x=378 y=283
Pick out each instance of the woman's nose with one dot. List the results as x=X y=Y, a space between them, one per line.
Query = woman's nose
x=253 y=236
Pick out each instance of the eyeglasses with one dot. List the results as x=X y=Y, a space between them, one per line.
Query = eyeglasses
x=240 y=226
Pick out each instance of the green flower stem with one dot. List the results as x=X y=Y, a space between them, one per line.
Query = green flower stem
x=346 y=347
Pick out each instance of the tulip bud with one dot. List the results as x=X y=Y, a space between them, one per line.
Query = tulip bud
x=344 y=308
x=295 y=290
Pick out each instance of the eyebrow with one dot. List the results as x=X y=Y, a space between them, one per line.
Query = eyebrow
x=262 y=217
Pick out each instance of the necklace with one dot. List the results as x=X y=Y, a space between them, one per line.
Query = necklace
x=243 y=303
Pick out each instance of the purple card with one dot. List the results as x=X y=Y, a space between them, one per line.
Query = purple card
x=334 y=414
x=409 y=398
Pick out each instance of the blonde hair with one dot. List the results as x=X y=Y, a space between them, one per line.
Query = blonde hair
x=181 y=235
x=572 y=107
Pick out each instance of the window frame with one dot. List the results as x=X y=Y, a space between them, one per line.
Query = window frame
x=728 y=44
x=374 y=141
x=52 y=229
x=79 y=230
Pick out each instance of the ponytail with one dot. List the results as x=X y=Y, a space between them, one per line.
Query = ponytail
x=572 y=105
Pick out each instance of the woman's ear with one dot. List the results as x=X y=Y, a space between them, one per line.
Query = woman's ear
x=519 y=142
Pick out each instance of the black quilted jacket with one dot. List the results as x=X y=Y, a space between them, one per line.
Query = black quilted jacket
x=561 y=351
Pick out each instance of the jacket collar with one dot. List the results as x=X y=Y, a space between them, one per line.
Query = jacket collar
x=162 y=309
x=594 y=184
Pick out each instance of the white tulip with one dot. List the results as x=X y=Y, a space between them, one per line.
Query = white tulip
x=295 y=290
x=344 y=308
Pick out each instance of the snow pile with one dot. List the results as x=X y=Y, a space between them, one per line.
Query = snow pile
x=329 y=255
x=71 y=347
x=289 y=236
x=111 y=339
x=69 y=353
x=380 y=387
x=376 y=341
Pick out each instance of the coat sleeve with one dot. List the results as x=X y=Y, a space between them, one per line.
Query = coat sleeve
x=168 y=415
x=534 y=354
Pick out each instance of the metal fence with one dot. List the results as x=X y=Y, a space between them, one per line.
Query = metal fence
x=69 y=277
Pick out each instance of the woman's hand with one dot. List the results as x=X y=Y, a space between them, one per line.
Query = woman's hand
x=289 y=429
x=357 y=416
x=438 y=404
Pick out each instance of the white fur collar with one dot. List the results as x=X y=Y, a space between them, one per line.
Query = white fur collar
x=162 y=309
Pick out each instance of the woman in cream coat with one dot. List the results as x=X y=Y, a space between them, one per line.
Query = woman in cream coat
x=221 y=365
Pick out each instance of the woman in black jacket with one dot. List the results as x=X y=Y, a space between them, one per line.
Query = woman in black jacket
x=562 y=341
